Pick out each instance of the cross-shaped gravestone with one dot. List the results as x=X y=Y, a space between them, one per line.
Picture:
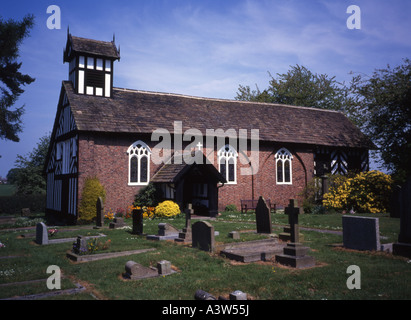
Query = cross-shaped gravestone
x=293 y=211
x=189 y=211
x=100 y=212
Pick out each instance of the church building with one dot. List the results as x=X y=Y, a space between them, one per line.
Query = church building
x=204 y=151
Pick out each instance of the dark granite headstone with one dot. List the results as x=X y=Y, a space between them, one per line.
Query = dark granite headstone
x=403 y=246
x=137 y=221
x=361 y=233
x=203 y=236
x=100 y=212
x=263 y=217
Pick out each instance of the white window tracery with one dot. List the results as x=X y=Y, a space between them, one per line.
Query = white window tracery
x=139 y=155
x=283 y=165
x=227 y=163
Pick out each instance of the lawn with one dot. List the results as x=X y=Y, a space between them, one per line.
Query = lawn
x=383 y=276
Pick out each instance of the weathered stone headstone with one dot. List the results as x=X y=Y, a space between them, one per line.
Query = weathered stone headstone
x=403 y=246
x=42 y=236
x=186 y=234
x=166 y=229
x=234 y=235
x=117 y=223
x=203 y=236
x=361 y=233
x=81 y=245
x=165 y=232
x=294 y=254
x=292 y=232
x=100 y=212
x=238 y=295
x=164 y=267
x=137 y=221
x=263 y=217
x=135 y=271
x=25 y=212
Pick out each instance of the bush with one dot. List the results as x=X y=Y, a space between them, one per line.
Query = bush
x=230 y=208
x=167 y=209
x=147 y=197
x=91 y=192
x=13 y=204
x=366 y=192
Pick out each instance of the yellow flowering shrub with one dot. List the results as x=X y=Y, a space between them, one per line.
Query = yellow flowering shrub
x=167 y=209
x=366 y=192
x=92 y=190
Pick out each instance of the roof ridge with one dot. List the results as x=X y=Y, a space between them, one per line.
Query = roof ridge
x=223 y=99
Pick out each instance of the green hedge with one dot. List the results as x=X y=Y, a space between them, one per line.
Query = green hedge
x=14 y=204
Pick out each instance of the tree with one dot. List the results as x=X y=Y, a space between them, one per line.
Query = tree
x=299 y=87
x=11 y=35
x=384 y=103
x=29 y=176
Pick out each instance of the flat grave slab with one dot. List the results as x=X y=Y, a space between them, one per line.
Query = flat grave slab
x=252 y=251
x=101 y=256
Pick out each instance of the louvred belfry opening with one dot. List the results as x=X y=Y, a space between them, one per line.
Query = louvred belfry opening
x=91 y=65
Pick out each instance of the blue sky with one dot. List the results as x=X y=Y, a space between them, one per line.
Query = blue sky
x=202 y=47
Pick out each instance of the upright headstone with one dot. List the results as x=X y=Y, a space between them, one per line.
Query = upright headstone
x=263 y=217
x=138 y=221
x=42 y=236
x=294 y=253
x=293 y=211
x=186 y=234
x=81 y=245
x=100 y=212
x=361 y=233
x=403 y=246
x=203 y=236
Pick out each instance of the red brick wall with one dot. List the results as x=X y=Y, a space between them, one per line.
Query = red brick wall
x=106 y=157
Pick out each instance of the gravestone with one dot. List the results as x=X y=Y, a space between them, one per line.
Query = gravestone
x=165 y=232
x=25 y=212
x=137 y=221
x=135 y=271
x=117 y=223
x=263 y=217
x=186 y=234
x=292 y=232
x=238 y=295
x=100 y=212
x=203 y=236
x=234 y=235
x=81 y=245
x=294 y=254
x=164 y=267
x=403 y=199
x=361 y=233
x=42 y=236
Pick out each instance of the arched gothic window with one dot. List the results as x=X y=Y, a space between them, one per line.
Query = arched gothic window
x=283 y=165
x=138 y=163
x=227 y=163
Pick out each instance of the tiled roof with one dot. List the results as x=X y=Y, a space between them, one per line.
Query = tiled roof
x=133 y=111
x=90 y=47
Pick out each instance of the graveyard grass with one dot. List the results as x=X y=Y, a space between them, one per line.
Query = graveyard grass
x=383 y=276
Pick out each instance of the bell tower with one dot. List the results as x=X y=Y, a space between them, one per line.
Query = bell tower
x=91 y=64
